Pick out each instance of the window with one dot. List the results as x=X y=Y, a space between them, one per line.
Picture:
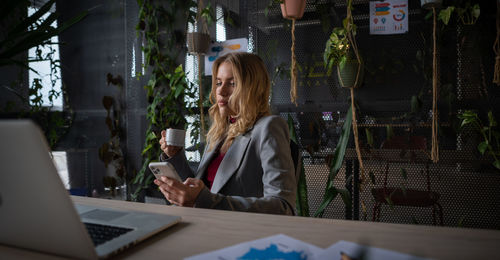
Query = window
x=47 y=78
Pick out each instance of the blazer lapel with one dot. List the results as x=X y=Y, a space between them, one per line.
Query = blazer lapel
x=207 y=158
x=231 y=162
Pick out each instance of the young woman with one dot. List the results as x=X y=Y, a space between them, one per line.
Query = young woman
x=247 y=163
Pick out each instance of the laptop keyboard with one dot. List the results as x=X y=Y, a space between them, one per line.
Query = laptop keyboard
x=104 y=233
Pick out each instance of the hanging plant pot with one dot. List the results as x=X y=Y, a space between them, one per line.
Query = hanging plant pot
x=293 y=9
x=428 y=4
x=347 y=74
x=198 y=42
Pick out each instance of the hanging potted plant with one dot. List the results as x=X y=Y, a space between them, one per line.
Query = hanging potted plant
x=428 y=4
x=292 y=10
x=199 y=41
x=341 y=50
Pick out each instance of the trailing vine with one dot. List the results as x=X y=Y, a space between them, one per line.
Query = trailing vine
x=167 y=88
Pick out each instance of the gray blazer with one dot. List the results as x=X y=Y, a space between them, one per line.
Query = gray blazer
x=256 y=175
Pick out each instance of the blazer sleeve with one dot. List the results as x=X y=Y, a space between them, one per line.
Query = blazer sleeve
x=180 y=164
x=278 y=178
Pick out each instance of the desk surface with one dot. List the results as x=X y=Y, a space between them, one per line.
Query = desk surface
x=203 y=230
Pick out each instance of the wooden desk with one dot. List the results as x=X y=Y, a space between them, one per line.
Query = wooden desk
x=203 y=230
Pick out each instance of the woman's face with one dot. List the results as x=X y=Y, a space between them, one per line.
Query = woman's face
x=225 y=85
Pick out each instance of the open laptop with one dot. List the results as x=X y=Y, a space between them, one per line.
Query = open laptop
x=37 y=213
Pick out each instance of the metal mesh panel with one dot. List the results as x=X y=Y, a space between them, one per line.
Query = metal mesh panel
x=397 y=69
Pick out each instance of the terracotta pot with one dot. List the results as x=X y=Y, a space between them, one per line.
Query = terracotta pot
x=198 y=42
x=293 y=9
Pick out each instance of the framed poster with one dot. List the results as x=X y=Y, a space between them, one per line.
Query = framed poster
x=389 y=17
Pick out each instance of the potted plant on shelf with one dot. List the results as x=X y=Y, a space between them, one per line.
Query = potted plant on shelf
x=199 y=40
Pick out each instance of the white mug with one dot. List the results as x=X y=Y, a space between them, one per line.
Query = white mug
x=175 y=137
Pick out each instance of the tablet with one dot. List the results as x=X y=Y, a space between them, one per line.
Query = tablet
x=164 y=169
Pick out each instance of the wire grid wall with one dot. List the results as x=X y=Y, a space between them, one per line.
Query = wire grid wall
x=398 y=71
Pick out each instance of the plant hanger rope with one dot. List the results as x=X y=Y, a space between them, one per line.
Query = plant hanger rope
x=293 y=88
x=353 y=106
x=496 y=49
x=200 y=85
x=200 y=101
x=293 y=65
x=435 y=141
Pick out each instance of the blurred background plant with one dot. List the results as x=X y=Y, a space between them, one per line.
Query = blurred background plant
x=36 y=30
x=489 y=134
x=111 y=152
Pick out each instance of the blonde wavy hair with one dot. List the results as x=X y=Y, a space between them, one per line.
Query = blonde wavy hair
x=249 y=100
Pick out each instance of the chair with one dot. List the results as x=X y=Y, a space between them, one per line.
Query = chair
x=408 y=197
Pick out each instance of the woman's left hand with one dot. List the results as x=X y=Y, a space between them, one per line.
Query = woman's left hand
x=178 y=193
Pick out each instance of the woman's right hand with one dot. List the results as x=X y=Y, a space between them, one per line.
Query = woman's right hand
x=169 y=150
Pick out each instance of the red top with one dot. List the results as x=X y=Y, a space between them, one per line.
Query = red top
x=213 y=167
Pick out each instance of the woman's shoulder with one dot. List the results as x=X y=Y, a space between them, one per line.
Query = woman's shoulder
x=270 y=122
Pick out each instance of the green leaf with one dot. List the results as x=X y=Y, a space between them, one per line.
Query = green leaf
x=291 y=129
x=346 y=197
x=24 y=24
x=428 y=15
x=415 y=104
x=389 y=132
x=338 y=158
x=491 y=119
x=372 y=177
x=497 y=164
x=461 y=221
x=476 y=11
x=389 y=201
x=482 y=147
x=369 y=137
x=178 y=91
x=327 y=199
x=445 y=14
x=302 y=200
x=404 y=174
x=107 y=102
x=342 y=62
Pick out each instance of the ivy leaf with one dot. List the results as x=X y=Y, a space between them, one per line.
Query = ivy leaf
x=482 y=147
x=497 y=164
x=476 y=11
